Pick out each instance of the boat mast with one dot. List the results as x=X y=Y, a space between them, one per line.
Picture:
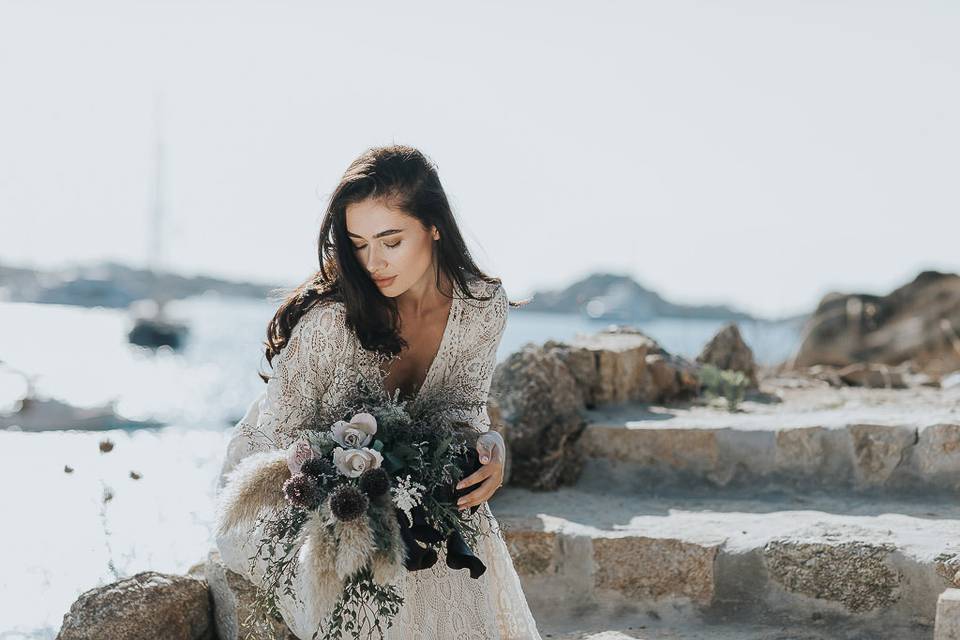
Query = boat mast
x=155 y=227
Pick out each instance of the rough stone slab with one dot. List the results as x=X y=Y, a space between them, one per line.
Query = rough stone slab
x=533 y=552
x=857 y=457
x=811 y=630
x=864 y=440
x=948 y=616
x=827 y=407
x=857 y=574
x=937 y=452
x=650 y=568
x=683 y=558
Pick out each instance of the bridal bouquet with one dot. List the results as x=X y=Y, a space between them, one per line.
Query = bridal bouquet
x=382 y=481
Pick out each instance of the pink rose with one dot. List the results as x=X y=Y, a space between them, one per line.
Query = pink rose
x=297 y=453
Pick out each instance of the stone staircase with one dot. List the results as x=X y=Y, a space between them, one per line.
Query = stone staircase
x=832 y=513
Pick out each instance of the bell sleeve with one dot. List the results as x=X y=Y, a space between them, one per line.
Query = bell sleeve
x=255 y=466
x=478 y=355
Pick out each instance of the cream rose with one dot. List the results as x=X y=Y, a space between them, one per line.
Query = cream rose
x=356 y=433
x=353 y=462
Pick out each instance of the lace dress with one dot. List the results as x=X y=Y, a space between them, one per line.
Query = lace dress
x=440 y=603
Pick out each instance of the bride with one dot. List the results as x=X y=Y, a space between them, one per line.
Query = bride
x=395 y=278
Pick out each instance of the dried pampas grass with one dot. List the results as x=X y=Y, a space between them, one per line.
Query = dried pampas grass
x=318 y=557
x=254 y=484
x=355 y=545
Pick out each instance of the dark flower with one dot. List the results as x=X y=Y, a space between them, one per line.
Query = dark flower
x=302 y=491
x=375 y=482
x=347 y=502
x=319 y=467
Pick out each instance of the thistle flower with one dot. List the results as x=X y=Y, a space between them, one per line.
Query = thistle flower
x=375 y=482
x=348 y=503
x=302 y=491
x=318 y=467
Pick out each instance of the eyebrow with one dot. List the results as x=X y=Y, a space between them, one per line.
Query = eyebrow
x=388 y=232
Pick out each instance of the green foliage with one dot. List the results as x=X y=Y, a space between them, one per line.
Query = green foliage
x=362 y=606
x=279 y=547
x=724 y=383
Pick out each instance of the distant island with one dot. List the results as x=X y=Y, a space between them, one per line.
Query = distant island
x=602 y=296
x=112 y=285
x=619 y=298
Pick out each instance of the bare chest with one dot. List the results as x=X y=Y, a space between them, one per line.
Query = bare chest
x=424 y=338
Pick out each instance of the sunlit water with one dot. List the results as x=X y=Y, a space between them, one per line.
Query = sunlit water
x=61 y=536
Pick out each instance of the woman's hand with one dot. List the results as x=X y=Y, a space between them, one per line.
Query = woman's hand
x=492 y=452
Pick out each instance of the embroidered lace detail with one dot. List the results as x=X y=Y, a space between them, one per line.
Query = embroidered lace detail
x=316 y=364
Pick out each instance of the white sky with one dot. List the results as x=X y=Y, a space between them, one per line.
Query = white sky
x=758 y=154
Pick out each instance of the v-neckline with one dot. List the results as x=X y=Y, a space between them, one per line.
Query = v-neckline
x=444 y=338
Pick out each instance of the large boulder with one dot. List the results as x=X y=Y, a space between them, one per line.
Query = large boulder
x=146 y=606
x=673 y=377
x=538 y=400
x=233 y=603
x=622 y=364
x=540 y=392
x=727 y=350
x=920 y=321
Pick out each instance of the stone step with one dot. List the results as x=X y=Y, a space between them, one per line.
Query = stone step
x=735 y=631
x=947 y=626
x=588 y=558
x=865 y=441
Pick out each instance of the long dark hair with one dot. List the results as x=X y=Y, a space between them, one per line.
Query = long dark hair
x=404 y=179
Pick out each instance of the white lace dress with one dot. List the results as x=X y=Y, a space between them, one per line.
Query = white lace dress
x=440 y=603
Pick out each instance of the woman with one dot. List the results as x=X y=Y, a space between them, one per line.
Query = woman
x=395 y=278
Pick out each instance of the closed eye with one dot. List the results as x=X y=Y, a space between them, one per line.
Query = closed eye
x=390 y=246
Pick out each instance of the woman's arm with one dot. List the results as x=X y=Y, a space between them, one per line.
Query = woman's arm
x=478 y=354
x=478 y=359
x=251 y=479
x=302 y=371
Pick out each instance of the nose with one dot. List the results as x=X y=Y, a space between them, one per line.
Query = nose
x=375 y=263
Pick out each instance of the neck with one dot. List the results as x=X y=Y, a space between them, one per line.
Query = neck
x=421 y=298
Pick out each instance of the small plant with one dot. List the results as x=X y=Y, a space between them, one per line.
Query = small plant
x=724 y=383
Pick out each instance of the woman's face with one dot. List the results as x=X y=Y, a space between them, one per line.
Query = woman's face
x=390 y=244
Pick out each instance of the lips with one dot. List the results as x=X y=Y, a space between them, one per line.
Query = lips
x=385 y=281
